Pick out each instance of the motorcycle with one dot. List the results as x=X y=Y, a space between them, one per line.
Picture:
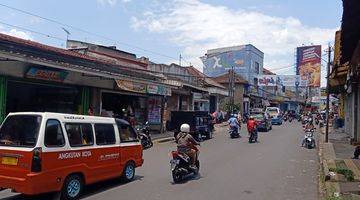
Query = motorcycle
x=145 y=136
x=309 y=140
x=234 y=133
x=290 y=119
x=180 y=165
x=285 y=118
x=253 y=137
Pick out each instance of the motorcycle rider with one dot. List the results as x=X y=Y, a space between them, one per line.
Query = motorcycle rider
x=234 y=123
x=186 y=143
x=252 y=127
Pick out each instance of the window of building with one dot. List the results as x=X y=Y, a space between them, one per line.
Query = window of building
x=127 y=134
x=257 y=68
x=104 y=134
x=79 y=134
x=255 y=81
x=54 y=136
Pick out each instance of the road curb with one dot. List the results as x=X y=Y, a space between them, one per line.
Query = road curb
x=328 y=187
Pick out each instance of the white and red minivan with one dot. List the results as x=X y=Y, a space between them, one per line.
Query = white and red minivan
x=46 y=152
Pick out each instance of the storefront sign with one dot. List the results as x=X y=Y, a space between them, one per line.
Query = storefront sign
x=158 y=89
x=197 y=95
x=47 y=74
x=131 y=86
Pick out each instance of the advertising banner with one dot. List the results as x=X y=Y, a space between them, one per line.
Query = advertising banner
x=309 y=64
x=266 y=80
x=288 y=80
x=131 y=86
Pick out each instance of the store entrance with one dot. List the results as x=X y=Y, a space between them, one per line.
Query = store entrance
x=35 y=97
x=128 y=107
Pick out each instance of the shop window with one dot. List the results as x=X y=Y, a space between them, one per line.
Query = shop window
x=127 y=133
x=79 y=134
x=54 y=136
x=104 y=134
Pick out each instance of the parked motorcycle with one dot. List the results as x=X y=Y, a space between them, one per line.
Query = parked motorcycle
x=234 y=133
x=180 y=165
x=145 y=136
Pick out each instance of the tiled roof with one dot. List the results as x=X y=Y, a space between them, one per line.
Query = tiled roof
x=71 y=59
x=194 y=72
x=267 y=72
x=225 y=79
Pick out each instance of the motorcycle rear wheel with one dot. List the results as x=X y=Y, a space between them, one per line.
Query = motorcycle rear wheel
x=177 y=177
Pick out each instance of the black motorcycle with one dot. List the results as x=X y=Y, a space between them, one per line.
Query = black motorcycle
x=180 y=166
x=234 y=133
x=309 y=140
x=290 y=119
x=253 y=137
x=145 y=136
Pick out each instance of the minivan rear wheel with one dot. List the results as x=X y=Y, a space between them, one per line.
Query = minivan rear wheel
x=129 y=172
x=72 y=187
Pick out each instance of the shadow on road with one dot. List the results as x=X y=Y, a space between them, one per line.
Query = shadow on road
x=89 y=190
x=187 y=179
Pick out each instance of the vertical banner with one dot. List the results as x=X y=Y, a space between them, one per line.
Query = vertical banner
x=309 y=64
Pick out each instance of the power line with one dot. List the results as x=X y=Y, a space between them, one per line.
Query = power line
x=88 y=32
x=32 y=31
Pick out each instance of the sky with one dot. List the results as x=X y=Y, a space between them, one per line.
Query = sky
x=162 y=30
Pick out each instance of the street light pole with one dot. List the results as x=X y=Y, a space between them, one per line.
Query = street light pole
x=328 y=95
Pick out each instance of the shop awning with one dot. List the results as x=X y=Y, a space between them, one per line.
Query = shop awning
x=143 y=88
x=215 y=90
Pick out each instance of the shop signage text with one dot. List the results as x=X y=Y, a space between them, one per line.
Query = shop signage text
x=46 y=74
x=143 y=88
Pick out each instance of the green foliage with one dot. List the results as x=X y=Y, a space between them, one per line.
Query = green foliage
x=349 y=175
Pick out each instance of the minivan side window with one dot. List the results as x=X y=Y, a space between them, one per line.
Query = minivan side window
x=127 y=133
x=79 y=134
x=54 y=136
x=104 y=134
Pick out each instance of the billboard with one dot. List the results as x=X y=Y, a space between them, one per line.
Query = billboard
x=266 y=80
x=309 y=64
x=289 y=80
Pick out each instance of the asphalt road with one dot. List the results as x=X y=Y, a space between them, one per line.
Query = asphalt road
x=275 y=168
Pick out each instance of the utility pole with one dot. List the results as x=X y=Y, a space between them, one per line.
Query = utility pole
x=180 y=60
x=328 y=95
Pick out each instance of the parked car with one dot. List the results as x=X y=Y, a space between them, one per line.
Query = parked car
x=264 y=123
x=200 y=123
x=275 y=115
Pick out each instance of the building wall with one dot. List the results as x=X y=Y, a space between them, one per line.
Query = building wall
x=243 y=58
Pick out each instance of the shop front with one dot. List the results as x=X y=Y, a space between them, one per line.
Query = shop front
x=201 y=101
x=136 y=102
x=41 y=89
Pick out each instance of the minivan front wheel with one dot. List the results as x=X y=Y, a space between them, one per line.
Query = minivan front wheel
x=72 y=187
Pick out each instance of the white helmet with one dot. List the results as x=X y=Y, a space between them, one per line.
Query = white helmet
x=185 y=128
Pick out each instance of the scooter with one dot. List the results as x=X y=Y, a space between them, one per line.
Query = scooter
x=145 y=136
x=234 y=133
x=309 y=140
x=290 y=119
x=253 y=137
x=180 y=165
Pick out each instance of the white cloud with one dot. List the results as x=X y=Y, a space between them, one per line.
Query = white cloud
x=196 y=27
x=107 y=2
x=111 y=2
x=16 y=33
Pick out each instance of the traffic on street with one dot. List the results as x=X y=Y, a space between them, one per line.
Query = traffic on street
x=276 y=167
x=179 y=99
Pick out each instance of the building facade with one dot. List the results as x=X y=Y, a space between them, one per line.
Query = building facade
x=246 y=60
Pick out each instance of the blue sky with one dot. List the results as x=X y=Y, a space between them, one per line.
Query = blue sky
x=189 y=27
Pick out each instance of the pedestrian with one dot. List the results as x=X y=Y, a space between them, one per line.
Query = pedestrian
x=356 y=153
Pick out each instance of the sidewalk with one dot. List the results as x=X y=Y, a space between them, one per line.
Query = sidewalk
x=340 y=175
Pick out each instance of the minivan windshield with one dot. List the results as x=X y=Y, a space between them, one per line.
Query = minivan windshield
x=20 y=130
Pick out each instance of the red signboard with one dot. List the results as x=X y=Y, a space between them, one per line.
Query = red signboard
x=309 y=64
